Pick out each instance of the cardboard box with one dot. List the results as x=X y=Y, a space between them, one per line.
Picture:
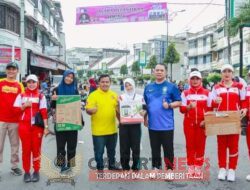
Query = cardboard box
x=68 y=113
x=130 y=112
x=222 y=123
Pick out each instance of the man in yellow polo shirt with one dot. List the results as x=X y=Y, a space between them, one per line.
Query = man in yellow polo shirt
x=101 y=105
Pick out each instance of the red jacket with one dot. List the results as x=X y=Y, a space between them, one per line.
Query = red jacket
x=9 y=90
x=29 y=112
x=233 y=98
x=203 y=103
x=248 y=100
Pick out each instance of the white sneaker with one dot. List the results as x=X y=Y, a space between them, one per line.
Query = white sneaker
x=198 y=171
x=231 y=175
x=248 y=177
x=191 y=170
x=222 y=174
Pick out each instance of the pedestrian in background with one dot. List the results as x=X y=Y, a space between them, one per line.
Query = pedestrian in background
x=102 y=106
x=67 y=86
x=10 y=88
x=92 y=85
x=121 y=85
x=29 y=104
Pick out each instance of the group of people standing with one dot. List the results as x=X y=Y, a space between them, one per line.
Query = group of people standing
x=18 y=119
x=161 y=98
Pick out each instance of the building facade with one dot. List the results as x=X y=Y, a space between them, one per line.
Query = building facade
x=44 y=44
x=208 y=49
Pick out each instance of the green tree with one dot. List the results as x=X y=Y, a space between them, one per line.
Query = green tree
x=214 y=77
x=80 y=73
x=242 y=18
x=89 y=74
x=172 y=57
x=110 y=72
x=152 y=63
x=136 y=68
x=124 y=70
x=99 y=73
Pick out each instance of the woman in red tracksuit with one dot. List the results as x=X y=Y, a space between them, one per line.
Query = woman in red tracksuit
x=31 y=136
x=228 y=96
x=195 y=102
x=248 y=126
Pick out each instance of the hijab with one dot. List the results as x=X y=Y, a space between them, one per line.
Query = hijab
x=67 y=89
x=130 y=94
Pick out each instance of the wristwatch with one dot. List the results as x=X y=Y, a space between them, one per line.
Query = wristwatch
x=46 y=127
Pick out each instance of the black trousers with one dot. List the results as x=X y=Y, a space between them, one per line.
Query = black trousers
x=130 y=138
x=63 y=138
x=164 y=139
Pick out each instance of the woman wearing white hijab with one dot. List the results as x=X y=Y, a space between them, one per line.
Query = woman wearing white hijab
x=130 y=134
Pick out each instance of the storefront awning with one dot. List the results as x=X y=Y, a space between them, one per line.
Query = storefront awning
x=42 y=61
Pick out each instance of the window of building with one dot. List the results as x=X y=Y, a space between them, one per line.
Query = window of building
x=45 y=40
x=12 y=20
x=200 y=59
x=35 y=3
x=220 y=55
x=193 y=61
x=207 y=59
x=192 y=44
x=204 y=59
x=204 y=41
x=46 y=13
x=30 y=30
x=2 y=16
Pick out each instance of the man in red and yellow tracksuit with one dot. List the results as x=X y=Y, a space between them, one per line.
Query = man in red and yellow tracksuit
x=29 y=103
x=9 y=90
x=228 y=96
x=195 y=102
x=248 y=126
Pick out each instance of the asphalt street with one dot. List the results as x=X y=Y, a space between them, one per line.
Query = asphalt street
x=85 y=154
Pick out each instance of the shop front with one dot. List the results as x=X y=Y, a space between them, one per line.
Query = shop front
x=6 y=56
x=44 y=67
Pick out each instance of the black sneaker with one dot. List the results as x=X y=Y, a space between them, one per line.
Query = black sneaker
x=35 y=177
x=27 y=178
x=16 y=171
x=115 y=168
x=65 y=169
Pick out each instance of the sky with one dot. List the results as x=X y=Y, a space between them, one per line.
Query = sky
x=124 y=35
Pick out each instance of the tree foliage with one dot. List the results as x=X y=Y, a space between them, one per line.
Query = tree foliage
x=152 y=62
x=124 y=70
x=242 y=18
x=214 y=77
x=136 y=68
x=172 y=57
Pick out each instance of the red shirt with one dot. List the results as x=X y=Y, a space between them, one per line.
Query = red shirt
x=8 y=93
